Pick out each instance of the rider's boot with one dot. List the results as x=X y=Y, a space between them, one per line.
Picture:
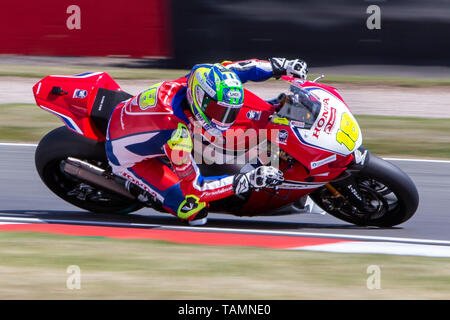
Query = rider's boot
x=193 y=211
x=200 y=218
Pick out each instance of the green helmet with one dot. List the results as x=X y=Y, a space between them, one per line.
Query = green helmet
x=215 y=95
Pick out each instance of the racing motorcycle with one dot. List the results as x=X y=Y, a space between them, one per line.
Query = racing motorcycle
x=319 y=150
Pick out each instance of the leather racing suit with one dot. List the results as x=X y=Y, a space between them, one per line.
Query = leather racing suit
x=154 y=125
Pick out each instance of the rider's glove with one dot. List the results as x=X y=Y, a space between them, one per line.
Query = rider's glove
x=261 y=177
x=293 y=68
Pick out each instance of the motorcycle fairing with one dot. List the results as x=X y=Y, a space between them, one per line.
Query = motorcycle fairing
x=74 y=99
x=331 y=130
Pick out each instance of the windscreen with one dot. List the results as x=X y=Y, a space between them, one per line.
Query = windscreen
x=301 y=106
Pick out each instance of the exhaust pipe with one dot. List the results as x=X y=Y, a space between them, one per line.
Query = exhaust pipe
x=96 y=175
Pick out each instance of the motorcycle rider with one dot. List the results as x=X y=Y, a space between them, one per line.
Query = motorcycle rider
x=157 y=124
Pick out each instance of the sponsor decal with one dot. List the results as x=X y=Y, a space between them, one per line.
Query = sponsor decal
x=244 y=63
x=188 y=207
x=234 y=94
x=149 y=97
x=79 y=94
x=206 y=85
x=253 y=115
x=326 y=121
x=332 y=118
x=282 y=136
x=199 y=94
x=242 y=185
x=300 y=185
x=209 y=83
x=140 y=184
x=316 y=164
x=220 y=125
x=279 y=120
x=298 y=124
x=232 y=82
x=101 y=104
x=354 y=192
x=360 y=158
x=220 y=191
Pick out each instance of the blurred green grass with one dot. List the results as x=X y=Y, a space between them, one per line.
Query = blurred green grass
x=36 y=71
x=34 y=266
x=25 y=122
x=406 y=136
x=382 y=80
x=385 y=136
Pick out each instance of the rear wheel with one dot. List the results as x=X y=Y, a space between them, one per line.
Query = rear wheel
x=50 y=155
x=389 y=196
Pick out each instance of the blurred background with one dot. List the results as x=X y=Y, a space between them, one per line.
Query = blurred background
x=179 y=33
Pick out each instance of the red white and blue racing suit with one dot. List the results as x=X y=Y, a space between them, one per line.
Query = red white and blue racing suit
x=154 y=125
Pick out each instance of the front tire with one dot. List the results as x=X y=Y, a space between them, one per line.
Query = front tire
x=391 y=195
x=57 y=146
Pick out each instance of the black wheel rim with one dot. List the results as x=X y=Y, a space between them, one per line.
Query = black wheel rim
x=379 y=201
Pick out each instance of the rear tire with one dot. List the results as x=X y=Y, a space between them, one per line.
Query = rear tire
x=58 y=145
x=394 y=180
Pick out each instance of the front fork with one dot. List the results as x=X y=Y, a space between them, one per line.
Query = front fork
x=346 y=187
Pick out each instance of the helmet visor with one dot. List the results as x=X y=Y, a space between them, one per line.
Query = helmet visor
x=220 y=113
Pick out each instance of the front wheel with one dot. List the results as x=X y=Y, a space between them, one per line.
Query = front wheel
x=389 y=196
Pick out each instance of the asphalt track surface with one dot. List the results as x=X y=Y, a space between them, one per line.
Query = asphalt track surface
x=23 y=195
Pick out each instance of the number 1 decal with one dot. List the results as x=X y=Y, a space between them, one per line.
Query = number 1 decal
x=348 y=133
